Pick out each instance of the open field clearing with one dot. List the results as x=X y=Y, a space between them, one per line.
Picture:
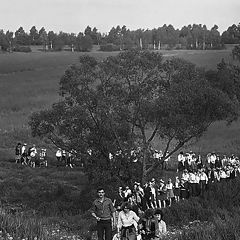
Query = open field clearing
x=29 y=82
x=51 y=200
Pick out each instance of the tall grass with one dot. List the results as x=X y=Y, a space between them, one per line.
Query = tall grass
x=22 y=227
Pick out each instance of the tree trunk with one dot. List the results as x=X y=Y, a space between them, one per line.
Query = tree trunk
x=144 y=166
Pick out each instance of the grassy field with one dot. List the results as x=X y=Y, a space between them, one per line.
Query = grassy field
x=29 y=82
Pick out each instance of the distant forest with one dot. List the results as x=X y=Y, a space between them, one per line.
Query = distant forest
x=195 y=36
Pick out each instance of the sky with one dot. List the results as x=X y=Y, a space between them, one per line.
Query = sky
x=73 y=16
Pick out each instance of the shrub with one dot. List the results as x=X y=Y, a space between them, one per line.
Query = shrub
x=109 y=47
x=19 y=48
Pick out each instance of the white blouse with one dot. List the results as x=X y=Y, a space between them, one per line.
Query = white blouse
x=127 y=219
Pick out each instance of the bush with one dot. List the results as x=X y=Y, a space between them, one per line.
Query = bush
x=186 y=211
x=19 y=48
x=109 y=47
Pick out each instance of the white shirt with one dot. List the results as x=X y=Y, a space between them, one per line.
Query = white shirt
x=181 y=158
x=169 y=186
x=192 y=178
x=58 y=153
x=185 y=176
x=33 y=152
x=23 y=149
x=127 y=219
x=203 y=177
x=197 y=178
x=213 y=159
x=223 y=174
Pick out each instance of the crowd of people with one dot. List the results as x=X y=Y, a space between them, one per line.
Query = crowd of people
x=65 y=158
x=33 y=156
x=137 y=209
x=30 y=156
x=129 y=224
x=194 y=174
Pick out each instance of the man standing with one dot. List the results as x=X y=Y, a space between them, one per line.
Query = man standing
x=18 y=152
x=103 y=210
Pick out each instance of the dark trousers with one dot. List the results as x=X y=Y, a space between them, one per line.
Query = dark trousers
x=104 y=228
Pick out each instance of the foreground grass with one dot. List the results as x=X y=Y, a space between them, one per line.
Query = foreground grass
x=42 y=203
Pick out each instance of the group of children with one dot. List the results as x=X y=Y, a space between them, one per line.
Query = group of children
x=192 y=180
x=194 y=175
x=30 y=155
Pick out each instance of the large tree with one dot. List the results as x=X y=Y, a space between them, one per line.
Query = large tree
x=126 y=102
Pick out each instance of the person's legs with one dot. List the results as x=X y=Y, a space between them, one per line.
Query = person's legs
x=132 y=236
x=100 y=230
x=108 y=230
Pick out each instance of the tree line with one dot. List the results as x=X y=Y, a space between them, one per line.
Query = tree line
x=196 y=36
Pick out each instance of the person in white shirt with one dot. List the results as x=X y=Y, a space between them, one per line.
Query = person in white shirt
x=170 y=194
x=185 y=175
x=127 y=192
x=203 y=181
x=213 y=158
x=33 y=151
x=181 y=159
x=24 y=154
x=157 y=226
x=166 y=162
x=127 y=223
x=192 y=185
x=59 y=155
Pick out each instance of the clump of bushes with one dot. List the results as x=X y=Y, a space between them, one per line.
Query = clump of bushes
x=109 y=47
x=19 y=48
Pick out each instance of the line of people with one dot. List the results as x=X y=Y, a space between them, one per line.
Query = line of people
x=65 y=158
x=191 y=180
x=30 y=156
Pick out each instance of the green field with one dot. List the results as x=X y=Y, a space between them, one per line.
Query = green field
x=29 y=82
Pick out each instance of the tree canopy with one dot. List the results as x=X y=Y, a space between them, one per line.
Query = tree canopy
x=123 y=104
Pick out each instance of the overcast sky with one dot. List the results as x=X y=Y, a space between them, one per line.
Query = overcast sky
x=75 y=15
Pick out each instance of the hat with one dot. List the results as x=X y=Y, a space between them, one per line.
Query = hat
x=25 y=144
x=161 y=181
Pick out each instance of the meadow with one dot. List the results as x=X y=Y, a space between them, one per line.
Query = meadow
x=29 y=83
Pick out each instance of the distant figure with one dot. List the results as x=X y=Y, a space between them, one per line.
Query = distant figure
x=59 y=156
x=43 y=157
x=33 y=151
x=18 y=150
x=32 y=155
x=69 y=160
x=64 y=155
x=24 y=154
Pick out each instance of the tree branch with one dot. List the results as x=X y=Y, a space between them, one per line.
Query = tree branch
x=153 y=133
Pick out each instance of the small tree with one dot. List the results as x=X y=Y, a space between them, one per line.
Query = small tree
x=84 y=43
x=125 y=102
x=236 y=52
